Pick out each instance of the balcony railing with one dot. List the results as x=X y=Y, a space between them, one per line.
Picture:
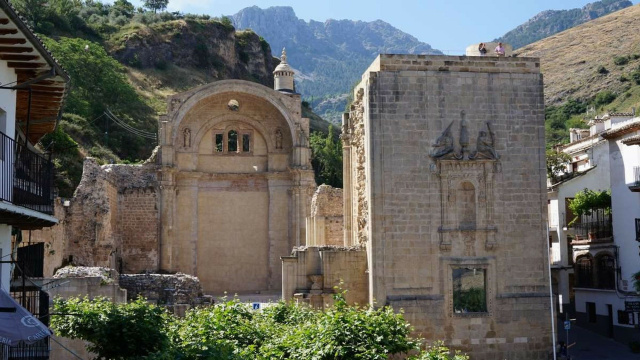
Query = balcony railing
x=26 y=177
x=635 y=185
x=596 y=227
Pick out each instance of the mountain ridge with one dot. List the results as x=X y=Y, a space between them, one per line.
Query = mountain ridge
x=549 y=22
x=330 y=56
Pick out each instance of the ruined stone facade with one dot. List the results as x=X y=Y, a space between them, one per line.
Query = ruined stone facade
x=325 y=224
x=235 y=185
x=112 y=220
x=446 y=191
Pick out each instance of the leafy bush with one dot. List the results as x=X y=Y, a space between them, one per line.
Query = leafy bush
x=587 y=201
x=231 y=331
x=123 y=331
x=635 y=76
x=327 y=158
x=621 y=60
x=603 y=98
x=602 y=70
x=556 y=163
x=438 y=351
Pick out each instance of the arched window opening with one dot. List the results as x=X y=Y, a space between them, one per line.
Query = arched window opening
x=606 y=272
x=232 y=141
x=246 y=142
x=219 y=138
x=584 y=271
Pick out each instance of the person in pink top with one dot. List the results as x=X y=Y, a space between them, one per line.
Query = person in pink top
x=499 y=50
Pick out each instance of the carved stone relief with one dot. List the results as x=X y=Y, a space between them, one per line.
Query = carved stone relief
x=356 y=139
x=466 y=185
x=186 y=138
x=278 y=135
x=467 y=201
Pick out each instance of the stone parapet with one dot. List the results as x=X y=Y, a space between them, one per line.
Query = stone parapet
x=487 y=64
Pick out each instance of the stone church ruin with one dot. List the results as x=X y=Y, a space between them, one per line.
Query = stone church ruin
x=442 y=211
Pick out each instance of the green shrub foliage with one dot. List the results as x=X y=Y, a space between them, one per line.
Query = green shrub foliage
x=327 y=158
x=230 y=330
x=587 y=200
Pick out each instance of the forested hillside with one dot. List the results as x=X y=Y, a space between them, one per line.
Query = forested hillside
x=551 y=22
x=590 y=69
x=124 y=62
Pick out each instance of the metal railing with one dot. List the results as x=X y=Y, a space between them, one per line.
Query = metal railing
x=37 y=303
x=26 y=177
x=594 y=227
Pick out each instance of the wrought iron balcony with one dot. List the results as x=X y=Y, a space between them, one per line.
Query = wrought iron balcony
x=26 y=180
x=598 y=229
x=635 y=185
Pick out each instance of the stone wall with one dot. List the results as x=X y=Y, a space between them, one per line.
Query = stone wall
x=112 y=221
x=138 y=223
x=163 y=289
x=313 y=274
x=448 y=174
x=325 y=225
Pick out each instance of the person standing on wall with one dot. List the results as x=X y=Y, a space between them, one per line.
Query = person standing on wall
x=499 y=50
x=482 y=49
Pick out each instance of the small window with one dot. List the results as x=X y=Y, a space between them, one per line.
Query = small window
x=219 y=141
x=246 y=142
x=625 y=318
x=637 y=229
x=585 y=272
x=232 y=141
x=469 y=290
x=591 y=312
x=606 y=272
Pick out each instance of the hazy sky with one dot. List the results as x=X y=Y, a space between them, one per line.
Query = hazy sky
x=447 y=25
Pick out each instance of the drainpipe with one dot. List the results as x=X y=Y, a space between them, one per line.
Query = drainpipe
x=553 y=320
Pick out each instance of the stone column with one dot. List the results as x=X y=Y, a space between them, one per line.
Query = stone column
x=279 y=244
x=185 y=248
x=346 y=181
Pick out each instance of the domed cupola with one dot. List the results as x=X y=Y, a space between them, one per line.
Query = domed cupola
x=283 y=75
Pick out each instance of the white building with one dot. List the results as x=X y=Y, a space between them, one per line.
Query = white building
x=32 y=90
x=594 y=258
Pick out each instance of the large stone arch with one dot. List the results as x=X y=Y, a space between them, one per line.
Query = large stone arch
x=194 y=97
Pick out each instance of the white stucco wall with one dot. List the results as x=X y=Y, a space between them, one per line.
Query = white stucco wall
x=8 y=99
x=625 y=205
x=7 y=126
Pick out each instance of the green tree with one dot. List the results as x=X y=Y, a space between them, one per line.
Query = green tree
x=156 y=5
x=35 y=11
x=587 y=201
x=326 y=158
x=557 y=162
x=231 y=331
x=136 y=330
x=125 y=7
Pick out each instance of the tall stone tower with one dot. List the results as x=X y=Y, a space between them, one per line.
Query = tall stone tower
x=283 y=75
x=444 y=185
